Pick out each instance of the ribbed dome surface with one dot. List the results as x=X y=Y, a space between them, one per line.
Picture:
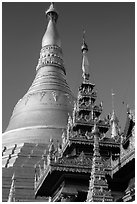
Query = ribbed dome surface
x=43 y=111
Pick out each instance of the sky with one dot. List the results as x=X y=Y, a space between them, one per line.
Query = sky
x=110 y=36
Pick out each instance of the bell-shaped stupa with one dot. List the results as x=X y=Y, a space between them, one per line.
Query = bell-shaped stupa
x=42 y=113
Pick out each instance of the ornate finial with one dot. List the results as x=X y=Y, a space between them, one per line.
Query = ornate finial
x=52 y=13
x=113 y=117
x=128 y=109
x=115 y=129
x=85 y=63
x=84 y=46
x=114 y=120
x=112 y=94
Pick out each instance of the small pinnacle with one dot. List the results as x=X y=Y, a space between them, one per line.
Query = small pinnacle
x=112 y=94
x=84 y=35
x=84 y=46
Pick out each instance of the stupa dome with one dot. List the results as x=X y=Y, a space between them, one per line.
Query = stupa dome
x=42 y=113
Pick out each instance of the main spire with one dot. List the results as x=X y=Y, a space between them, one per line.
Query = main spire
x=51 y=36
x=51 y=52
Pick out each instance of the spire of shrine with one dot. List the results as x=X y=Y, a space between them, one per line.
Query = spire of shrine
x=85 y=63
x=114 y=125
x=114 y=120
x=51 y=52
x=51 y=36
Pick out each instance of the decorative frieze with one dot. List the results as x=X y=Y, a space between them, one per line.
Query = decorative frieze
x=51 y=55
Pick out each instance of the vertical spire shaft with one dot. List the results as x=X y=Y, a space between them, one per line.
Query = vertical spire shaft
x=112 y=94
x=51 y=36
x=114 y=120
x=85 y=63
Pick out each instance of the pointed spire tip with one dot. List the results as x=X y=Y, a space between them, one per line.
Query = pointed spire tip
x=84 y=46
x=85 y=63
x=52 y=13
x=112 y=94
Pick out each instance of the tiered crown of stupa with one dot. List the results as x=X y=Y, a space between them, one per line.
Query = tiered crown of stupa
x=51 y=52
x=43 y=111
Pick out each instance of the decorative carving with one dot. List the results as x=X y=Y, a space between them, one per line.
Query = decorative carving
x=81 y=160
x=50 y=55
x=55 y=95
x=27 y=98
x=82 y=157
x=88 y=135
x=42 y=95
x=130 y=191
x=74 y=168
